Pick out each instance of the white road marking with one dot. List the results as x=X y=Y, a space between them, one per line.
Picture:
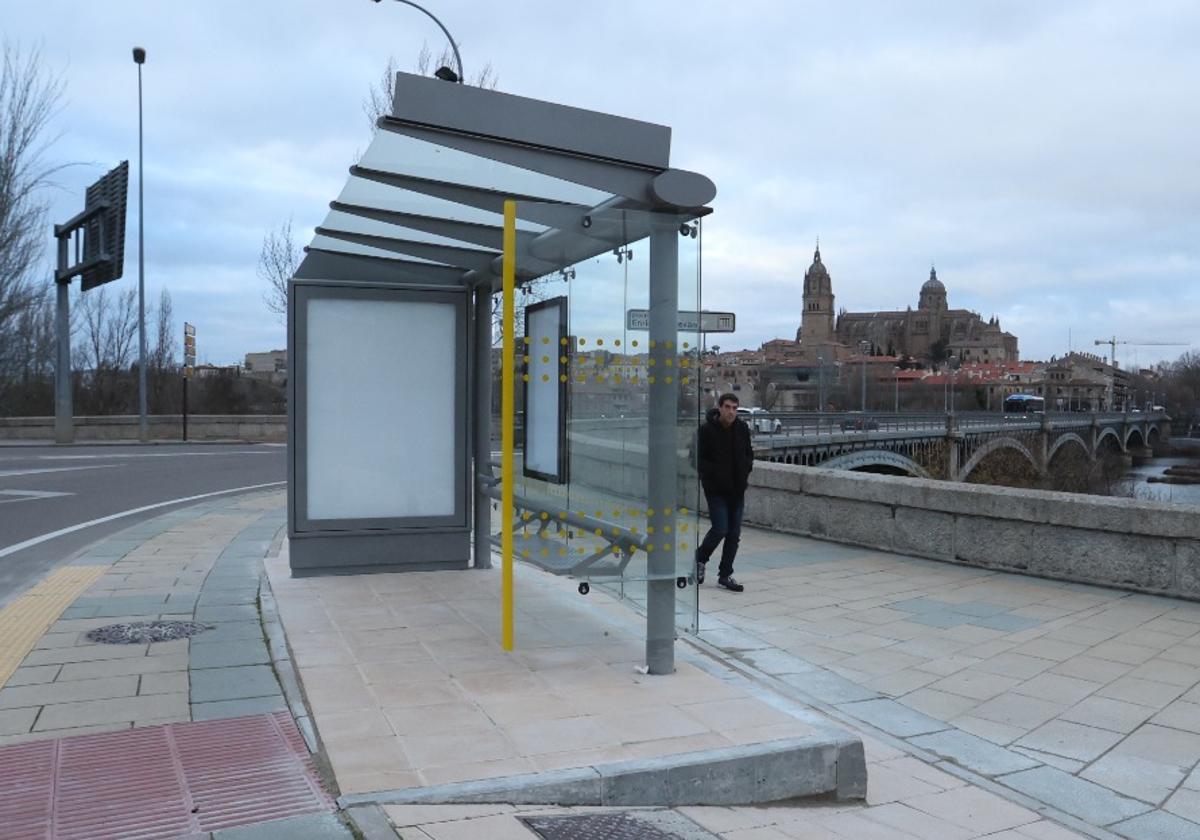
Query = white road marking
x=11 y=473
x=13 y=549
x=106 y=456
x=28 y=495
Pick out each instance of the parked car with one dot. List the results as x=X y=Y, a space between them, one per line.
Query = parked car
x=759 y=420
x=859 y=423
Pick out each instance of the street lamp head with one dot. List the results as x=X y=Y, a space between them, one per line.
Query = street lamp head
x=446 y=74
x=139 y=55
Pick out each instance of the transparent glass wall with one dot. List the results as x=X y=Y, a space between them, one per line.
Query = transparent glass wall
x=596 y=520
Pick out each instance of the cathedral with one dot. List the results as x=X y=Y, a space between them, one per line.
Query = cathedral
x=931 y=330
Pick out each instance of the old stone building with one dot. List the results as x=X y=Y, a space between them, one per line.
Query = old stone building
x=933 y=330
x=817 y=337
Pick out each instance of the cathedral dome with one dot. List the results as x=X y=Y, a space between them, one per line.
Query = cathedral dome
x=816 y=278
x=933 y=293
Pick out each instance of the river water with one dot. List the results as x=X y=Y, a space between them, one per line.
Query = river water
x=1180 y=494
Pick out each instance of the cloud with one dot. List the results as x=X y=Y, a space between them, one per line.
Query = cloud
x=1040 y=154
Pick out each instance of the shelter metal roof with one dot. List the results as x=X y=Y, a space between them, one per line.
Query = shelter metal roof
x=425 y=202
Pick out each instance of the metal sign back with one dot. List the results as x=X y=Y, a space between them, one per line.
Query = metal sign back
x=690 y=321
x=104 y=242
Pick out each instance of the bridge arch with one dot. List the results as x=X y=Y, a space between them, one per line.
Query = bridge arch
x=867 y=458
x=1130 y=435
x=1069 y=437
x=993 y=446
x=1109 y=434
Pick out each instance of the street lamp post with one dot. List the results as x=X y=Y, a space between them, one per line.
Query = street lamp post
x=863 y=346
x=139 y=58
x=896 y=390
x=820 y=381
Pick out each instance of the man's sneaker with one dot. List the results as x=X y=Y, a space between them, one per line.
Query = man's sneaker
x=730 y=584
x=699 y=572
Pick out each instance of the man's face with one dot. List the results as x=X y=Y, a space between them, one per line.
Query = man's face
x=728 y=411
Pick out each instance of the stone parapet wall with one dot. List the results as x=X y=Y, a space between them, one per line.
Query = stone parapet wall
x=1144 y=546
x=251 y=428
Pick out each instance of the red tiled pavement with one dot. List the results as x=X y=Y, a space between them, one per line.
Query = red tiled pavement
x=159 y=781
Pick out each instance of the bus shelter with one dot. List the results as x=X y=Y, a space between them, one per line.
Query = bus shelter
x=475 y=215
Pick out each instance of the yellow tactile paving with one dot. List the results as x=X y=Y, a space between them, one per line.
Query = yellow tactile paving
x=26 y=619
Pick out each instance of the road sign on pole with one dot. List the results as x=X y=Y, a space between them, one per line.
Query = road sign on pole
x=189 y=348
x=716 y=322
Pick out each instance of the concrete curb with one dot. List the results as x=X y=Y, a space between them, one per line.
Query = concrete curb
x=744 y=775
x=371 y=822
x=281 y=661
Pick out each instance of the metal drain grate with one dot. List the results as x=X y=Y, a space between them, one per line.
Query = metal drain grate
x=159 y=781
x=627 y=825
x=140 y=632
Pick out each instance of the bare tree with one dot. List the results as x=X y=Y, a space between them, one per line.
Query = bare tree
x=28 y=101
x=163 y=356
x=92 y=312
x=379 y=99
x=277 y=263
x=123 y=329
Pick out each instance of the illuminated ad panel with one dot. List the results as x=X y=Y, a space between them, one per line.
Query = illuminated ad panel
x=380 y=409
x=545 y=378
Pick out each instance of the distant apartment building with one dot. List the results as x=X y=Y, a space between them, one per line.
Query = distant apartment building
x=271 y=364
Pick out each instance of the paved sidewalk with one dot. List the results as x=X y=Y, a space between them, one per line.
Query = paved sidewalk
x=948 y=673
x=1083 y=698
x=184 y=722
x=408 y=686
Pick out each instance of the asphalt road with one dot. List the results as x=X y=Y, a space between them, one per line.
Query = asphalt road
x=45 y=489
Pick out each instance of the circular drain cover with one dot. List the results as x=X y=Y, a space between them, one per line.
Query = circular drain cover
x=140 y=632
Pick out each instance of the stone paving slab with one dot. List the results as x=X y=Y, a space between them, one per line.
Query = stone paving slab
x=310 y=827
x=156 y=569
x=973 y=753
x=1040 y=683
x=230 y=653
x=220 y=709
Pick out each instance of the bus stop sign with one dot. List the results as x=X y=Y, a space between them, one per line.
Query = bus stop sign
x=707 y=322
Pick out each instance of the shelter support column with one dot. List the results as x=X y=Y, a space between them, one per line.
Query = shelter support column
x=953 y=436
x=662 y=476
x=482 y=426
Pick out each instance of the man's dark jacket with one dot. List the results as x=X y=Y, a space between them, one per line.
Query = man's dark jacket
x=724 y=456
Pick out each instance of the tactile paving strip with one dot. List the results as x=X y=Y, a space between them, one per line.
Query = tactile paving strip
x=25 y=620
x=159 y=781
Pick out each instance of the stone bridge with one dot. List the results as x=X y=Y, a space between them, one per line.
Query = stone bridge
x=954 y=446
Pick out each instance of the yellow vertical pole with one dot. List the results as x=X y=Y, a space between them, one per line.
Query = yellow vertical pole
x=507 y=411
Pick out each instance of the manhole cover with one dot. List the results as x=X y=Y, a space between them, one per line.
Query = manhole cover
x=648 y=825
x=140 y=632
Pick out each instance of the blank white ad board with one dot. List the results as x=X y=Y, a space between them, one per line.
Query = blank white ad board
x=380 y=409
x=544 y=324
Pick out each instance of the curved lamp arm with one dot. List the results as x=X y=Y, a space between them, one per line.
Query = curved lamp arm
x=445 y=31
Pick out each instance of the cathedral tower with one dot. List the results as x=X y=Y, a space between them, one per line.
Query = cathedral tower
x=816 y=324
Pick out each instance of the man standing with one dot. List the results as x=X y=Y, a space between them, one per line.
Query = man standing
x=724 y=458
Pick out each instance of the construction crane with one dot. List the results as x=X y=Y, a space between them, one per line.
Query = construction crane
x=1114 y=341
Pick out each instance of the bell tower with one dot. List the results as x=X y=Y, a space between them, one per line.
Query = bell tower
x=816 y=323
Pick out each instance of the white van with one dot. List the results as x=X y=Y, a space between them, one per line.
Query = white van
x=759 y=420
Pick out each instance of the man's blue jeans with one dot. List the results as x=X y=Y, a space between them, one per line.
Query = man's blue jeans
x=725 y=513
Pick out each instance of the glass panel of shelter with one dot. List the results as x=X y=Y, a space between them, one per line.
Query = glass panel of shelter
x=452 y=166
x=368 y=193
x=594 y=525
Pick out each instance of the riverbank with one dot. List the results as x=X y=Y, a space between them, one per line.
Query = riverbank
x=1141 y=487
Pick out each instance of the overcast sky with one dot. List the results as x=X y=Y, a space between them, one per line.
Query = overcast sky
x=1043 y=155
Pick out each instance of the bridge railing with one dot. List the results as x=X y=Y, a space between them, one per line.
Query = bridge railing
x=805 y=424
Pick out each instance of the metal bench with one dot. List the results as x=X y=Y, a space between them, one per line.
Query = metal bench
x=547 y=549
